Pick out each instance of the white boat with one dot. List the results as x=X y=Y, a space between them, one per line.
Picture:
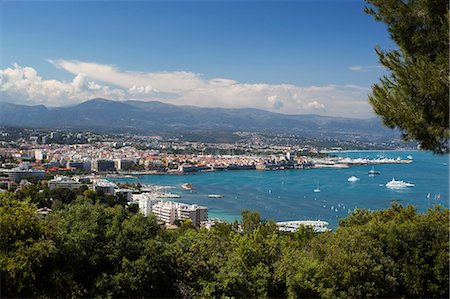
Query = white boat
x=215 y=195
x=353 y=179
x=317 y=190
x=373 y=172
x=398 y=184
x=293 y=226
x=186 y=186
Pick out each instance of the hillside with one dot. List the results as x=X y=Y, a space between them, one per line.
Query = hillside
x=138 y=116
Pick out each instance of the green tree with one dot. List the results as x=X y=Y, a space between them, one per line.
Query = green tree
x=26 y=246
x=200 y=255
x=224 y=262
x=88 y=249
x=394 y=252
x=250 y=220
x=138 y=258
x=414 y=96
x=133 y=208
x=64 y=195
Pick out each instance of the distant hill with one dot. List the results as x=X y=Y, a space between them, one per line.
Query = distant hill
x=146 y=117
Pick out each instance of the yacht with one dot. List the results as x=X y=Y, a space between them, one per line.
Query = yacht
x=353 y=179
x=215 y=195
x=187 y=186
x=398 y=184
x=293 y=226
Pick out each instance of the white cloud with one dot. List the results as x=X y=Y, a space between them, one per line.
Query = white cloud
x=313 y=105
x=127 y=79
x=367 y=68
x=356 y=68
x=24 y=85
x=275 y=103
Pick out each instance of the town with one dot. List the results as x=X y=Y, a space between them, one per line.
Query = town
x=65 y=160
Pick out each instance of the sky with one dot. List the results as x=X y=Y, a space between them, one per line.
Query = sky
x=293 y=57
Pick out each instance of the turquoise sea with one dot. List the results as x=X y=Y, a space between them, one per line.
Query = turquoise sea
x=289 y=194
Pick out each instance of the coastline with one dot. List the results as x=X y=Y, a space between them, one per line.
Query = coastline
x=292 y=196
x=372 y=151
x=316 y=166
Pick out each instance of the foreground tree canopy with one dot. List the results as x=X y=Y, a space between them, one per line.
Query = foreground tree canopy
x=414 y=97
x=91 y=249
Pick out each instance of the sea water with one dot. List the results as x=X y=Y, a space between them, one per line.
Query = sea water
x=283 y=195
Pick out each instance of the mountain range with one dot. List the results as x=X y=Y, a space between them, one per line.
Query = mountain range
x=152 y=117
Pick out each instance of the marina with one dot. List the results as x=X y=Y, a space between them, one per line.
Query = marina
x=290 y=195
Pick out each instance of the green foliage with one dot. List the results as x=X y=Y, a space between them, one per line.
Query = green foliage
x=25 y=246
x=133 y=208
x=89 y=249
x=394 y=252
x=82 y=250
x=415 y=95
x=250 y=220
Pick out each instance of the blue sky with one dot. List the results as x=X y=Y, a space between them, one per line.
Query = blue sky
x=291 y=56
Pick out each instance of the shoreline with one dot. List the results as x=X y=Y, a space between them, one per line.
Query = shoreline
x=371 y=151
x=320 y=163
x=317 y=166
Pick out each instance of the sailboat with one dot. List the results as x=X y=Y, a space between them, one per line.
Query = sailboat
x=317 y=190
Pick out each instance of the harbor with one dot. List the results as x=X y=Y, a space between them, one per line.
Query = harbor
x=289 y=195
x=210 y=163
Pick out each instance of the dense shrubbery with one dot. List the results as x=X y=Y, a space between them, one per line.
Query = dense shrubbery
x=87 y=249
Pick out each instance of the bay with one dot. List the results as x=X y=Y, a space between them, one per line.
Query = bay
x=289 y=194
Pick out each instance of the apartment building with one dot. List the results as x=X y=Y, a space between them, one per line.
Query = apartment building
x=63 y=182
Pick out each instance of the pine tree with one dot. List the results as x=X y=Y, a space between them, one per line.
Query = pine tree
x=414 y=96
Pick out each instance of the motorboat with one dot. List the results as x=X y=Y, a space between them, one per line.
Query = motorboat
x=353 y=179
x=293 y=226
x=373 y=172
x=187 y=186
x=398 y=184
x=215 y=195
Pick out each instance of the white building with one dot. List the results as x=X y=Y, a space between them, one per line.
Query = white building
x=39 y=155
x=23 y=170
x=145 y=201
x=169 y=211
x=103 y=185
x=63 y=182
x=165 y=211
x=198 y=214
